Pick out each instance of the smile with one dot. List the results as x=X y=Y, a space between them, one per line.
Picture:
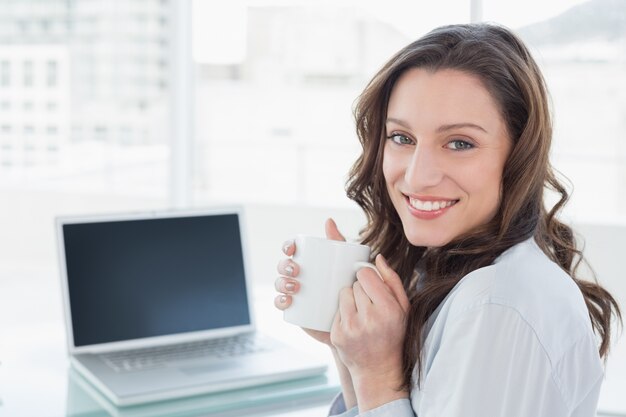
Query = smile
x=430 y=205
x=429 y=209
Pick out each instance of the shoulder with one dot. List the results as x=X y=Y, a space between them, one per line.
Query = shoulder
x=523 y=279
x=522 y=317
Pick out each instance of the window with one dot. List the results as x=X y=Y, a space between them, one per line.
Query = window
x=45 y=25
x=51 y=73
x=106 y=51
x=274 y=91
x=580 y=48
x=5 y=74
x=28 y=72
x=28 y=130
x=72 y=77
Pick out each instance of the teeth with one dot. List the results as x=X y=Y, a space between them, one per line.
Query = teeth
x=430 y=205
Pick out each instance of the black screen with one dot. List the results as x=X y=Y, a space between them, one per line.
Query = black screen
x=142 y=278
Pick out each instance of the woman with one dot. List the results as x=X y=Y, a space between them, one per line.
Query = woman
x=481 y=312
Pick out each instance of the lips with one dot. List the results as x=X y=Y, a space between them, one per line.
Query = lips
x=428 y=208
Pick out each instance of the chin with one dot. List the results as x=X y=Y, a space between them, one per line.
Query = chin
x=429 y=241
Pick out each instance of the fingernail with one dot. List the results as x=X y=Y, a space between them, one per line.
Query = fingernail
x=287 y=245
x=283 y=299
x=290 y=286
x=289 y=270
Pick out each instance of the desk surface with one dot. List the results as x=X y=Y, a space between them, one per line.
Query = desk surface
x=36 y=380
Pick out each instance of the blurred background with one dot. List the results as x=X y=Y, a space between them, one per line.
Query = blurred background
x=126 y=105
x=114 y=105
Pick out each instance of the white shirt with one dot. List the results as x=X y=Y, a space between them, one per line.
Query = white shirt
x=511 y=339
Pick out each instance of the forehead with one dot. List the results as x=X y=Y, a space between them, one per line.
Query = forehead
x=443 y=96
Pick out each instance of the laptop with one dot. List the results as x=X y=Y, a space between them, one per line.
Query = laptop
x=157 y=306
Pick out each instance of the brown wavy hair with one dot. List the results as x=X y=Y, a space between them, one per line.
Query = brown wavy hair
x=500 y=60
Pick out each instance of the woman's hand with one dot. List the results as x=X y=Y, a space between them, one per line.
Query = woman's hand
x=287 y=284
x=368 y=333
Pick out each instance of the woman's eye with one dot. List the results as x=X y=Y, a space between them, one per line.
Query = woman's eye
x=459 y=145
x=400 y=139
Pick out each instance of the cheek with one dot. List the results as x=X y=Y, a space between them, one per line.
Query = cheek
x=490 y=192
x=387 y=168
x=393 y=170
x=387 y=174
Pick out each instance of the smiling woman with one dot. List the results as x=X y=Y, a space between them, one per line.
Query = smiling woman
x=490 y=317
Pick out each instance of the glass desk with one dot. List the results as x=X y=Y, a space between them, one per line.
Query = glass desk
x=84 y=401
x=36 y=378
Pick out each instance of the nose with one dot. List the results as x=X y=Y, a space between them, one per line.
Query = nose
x=424 y=169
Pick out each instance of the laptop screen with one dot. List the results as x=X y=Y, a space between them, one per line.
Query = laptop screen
x=133 y=279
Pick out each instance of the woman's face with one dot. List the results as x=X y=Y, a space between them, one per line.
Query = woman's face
x=444 y=154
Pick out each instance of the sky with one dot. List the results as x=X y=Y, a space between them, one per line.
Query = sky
x=219 y=27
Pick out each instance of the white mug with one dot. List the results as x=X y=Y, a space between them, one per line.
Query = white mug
x=326 y=266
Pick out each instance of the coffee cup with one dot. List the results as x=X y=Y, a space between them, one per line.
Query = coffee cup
x=326 y=266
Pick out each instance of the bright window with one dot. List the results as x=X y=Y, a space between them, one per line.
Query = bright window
x=275 y=86
x=580 y=47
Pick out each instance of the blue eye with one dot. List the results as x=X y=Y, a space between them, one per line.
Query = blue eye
x=400 y=139
x=459 y=145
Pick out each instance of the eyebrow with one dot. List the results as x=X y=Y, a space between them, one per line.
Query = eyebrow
x=442 y=128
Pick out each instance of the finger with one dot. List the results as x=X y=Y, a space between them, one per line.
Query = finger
x=393 y=281
x=286 y=285
x=332 y=232
x=336 y=332
x=361 y=299
x=288 y=268
x=373 y=286
x=282 y=301
x=289 y=247
x=347 y=306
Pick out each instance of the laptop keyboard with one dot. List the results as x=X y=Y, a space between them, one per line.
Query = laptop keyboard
x=156 y=357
